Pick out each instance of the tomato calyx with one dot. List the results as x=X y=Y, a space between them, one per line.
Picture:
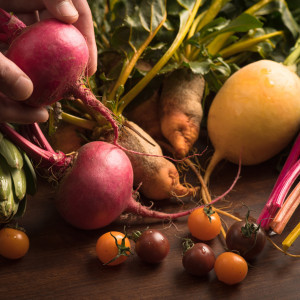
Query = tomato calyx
x=208 y=210
x=15 y=226
x=135 y=235
x=187 y=244
x=246 y=237
x=249 y=229
x=122 y=249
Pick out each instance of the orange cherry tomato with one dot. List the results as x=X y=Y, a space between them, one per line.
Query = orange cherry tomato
x=231 y=268
x=107 y=250
x=204 y=223
x=14 y=243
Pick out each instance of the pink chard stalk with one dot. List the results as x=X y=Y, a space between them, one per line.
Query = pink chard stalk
x=287 y=177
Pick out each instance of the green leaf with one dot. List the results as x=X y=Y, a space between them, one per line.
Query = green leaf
x=21 y=208
x=31 y=179
x=243 y=23
x=151 y=14
x=11 y=153
x=19 y=182
x=215 y=25
x=8 y=208
x=140 y=20
x=200 y=67
x=5 y=180
x=288 y=19
x=186 y=4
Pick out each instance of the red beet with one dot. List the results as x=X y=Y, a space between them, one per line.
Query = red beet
x=98 y=188
x=53 y=67
x=54 y=55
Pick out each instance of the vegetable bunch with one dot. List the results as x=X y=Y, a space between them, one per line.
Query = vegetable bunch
x=17 y=178
x=280 y=207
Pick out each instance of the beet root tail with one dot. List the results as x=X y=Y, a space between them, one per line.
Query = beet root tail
x=143 y=211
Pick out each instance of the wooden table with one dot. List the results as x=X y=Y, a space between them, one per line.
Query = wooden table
x=62 y=263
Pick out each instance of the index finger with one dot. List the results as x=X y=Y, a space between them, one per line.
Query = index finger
x=86 y=27
x=77 y=12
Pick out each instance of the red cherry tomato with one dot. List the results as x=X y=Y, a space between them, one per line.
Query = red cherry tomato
x=152 y=246
x=246 y=237
x=198 y=260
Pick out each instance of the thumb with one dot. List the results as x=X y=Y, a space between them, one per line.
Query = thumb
x=63 y=10
x=13 y=82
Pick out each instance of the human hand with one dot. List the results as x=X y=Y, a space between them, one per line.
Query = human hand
x=15 y=86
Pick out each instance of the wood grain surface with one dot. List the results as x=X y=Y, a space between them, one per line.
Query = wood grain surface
x=62 y=263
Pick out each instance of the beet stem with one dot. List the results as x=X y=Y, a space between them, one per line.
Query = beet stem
x=86 y=96
x=10 y=26
x=38 y=134
x=40 y=156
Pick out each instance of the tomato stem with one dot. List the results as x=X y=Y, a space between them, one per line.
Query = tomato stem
x=209 y=212
x=187 y=244
x=122 y=249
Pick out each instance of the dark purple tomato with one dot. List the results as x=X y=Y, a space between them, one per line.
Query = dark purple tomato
x=152 y=246
x=199 y=260
x=247 y=238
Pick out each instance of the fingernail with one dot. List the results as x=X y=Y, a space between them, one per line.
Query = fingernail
x=66 y=9
x=22 y=89
x=42 y=115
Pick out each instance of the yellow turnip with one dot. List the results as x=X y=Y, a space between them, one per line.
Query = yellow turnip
x=255 y=115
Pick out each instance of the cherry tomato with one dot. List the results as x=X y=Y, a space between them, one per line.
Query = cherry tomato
x=152 y=246
x=199 y=260
x=231 y=268
x=14 y=243
x=204 y=223
x=247 y=238
x=113 y=248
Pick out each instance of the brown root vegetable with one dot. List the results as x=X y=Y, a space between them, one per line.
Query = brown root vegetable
x=158 y=176
x=146 y=115
x=181 y=110
x=67 y=138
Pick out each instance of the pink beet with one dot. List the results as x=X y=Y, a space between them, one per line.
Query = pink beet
x=54 y=55
x=98 y=188
x=55 y=68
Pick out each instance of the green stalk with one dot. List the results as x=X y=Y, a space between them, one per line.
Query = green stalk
x=215 y=46
x=211 y=13
x=126 y=99
x=294 y=55
x=237 y=59
x=80 y=122
x=245 y=45
x=254 y=8
x=192 y=32
x=128 y=69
